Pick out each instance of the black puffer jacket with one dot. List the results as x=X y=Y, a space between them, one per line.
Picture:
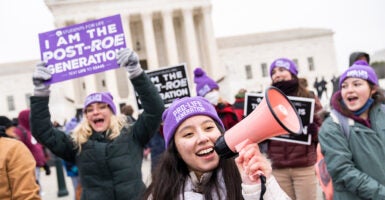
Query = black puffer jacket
x=109 y=169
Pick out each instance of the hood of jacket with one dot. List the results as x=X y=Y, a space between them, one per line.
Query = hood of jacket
x=23 y=119
x=355 y=55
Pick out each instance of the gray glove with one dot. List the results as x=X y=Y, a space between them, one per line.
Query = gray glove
x=40 y=75
x=128 y=59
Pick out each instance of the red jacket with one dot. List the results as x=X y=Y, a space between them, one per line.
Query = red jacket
x=227 y=114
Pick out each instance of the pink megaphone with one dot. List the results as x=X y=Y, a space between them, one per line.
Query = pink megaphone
x=274 y=116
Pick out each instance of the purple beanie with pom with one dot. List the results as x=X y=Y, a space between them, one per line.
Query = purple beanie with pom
x=204 y=84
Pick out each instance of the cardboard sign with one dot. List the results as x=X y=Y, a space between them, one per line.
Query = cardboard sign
x=305 y=110
x=171 y=82
x=82 y=49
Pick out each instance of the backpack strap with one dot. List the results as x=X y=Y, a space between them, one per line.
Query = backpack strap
x=344 y=122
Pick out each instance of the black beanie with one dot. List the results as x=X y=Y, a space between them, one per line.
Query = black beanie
x=4 y=121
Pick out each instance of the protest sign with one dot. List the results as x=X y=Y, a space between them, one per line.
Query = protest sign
x=305 y=110
x=82 y=49
x=171 y=83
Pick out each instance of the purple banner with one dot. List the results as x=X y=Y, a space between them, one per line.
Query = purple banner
x=82 y=49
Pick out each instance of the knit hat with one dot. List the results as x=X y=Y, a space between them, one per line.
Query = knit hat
x=182 y=109
x=5 y=121
x=360 y=69
x=204 y=84
x=285 y=63
x=101 y=97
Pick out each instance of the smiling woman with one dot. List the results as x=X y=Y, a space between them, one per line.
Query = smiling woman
x=355 y=164
x=107 y=151
x=193 y=169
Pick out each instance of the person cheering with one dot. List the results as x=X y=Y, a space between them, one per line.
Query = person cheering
x=108 y=153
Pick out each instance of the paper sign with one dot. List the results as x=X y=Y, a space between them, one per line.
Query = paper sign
x=82 y=49
x=305 y=110
x=171 y=83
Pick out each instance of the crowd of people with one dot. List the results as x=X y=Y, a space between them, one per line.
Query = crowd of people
x=102 y=149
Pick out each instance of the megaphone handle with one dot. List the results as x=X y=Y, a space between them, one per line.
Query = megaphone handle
x=240 y=146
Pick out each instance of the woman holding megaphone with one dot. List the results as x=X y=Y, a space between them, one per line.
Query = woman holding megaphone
x=190 y=167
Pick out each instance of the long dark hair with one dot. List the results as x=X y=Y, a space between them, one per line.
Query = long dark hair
x=169 y=177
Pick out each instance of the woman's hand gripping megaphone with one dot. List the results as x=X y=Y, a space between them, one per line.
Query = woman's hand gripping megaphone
x=252 y=164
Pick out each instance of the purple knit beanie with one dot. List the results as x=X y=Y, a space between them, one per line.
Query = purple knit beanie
x=360 y=69
x=285 y=63
x=204 y=84
x=101 y=97
x=182 y=109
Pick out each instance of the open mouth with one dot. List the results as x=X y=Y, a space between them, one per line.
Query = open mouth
x=205 y=151
x=98 y=121
x=350 y=99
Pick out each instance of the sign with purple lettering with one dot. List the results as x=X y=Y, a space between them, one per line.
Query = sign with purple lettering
x=82 y=49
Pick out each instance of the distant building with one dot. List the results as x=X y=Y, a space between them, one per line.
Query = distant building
x=166 y=33
x=247 y=58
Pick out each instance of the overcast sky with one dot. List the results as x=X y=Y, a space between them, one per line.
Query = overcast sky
x=358 y=25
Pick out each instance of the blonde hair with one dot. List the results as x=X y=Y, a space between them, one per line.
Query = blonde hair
x=83 y=131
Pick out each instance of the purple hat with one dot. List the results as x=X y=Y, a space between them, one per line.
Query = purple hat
x=204 y=84
x=182 y=109
x=101 y=97
x=285 y=63
x=360 y=69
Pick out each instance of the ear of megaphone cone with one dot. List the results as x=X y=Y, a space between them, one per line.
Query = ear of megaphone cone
x=274 y=116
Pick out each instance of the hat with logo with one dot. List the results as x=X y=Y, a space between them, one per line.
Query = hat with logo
x=204 y=84
x=100 y=97
x=285 y=63
x=360 y=69
x=182 y=109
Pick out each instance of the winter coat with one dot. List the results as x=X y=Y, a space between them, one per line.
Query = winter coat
x=108 y=169
x=356 y=164
x=17 y=171
x=227 y=114
x=23 y=131
x=239 y=107
x=273 y=190
x=293 y=155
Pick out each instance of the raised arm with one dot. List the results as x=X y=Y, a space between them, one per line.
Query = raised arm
x=41 y=127
x=149 y=121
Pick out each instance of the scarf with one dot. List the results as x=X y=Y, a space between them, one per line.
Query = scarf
x=289 y=88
